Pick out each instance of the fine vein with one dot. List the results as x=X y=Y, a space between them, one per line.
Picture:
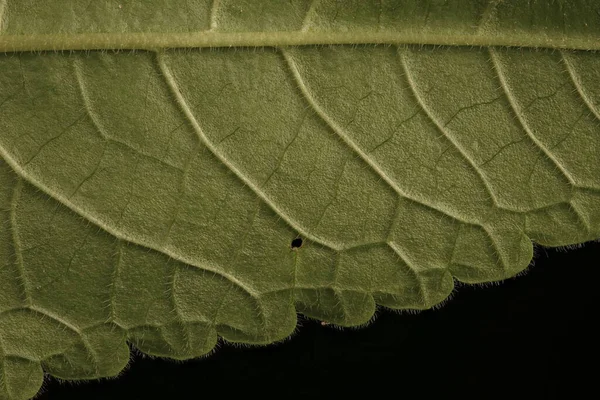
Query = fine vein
x=499 y=69
x=174 y=87
x=353 y=146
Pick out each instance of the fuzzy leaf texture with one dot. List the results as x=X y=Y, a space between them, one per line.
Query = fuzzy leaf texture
x=150 y=195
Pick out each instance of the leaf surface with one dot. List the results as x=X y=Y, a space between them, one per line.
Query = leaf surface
x=152 y=195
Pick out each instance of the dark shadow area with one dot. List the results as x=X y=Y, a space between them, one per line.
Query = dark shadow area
x=533 y=336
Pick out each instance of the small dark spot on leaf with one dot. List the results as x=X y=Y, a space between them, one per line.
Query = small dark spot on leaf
x=296 y=243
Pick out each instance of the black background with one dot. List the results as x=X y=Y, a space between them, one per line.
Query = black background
x=533 y=336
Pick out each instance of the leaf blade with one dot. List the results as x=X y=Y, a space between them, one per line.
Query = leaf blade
x=401 y=167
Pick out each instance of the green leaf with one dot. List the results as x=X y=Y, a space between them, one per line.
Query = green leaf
x=165 y=197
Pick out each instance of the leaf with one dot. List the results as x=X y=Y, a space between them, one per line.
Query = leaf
x=153 y=195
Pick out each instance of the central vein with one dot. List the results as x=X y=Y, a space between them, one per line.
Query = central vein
x=154 y=41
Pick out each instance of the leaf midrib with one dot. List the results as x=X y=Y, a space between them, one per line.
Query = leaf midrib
x=202 y=39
